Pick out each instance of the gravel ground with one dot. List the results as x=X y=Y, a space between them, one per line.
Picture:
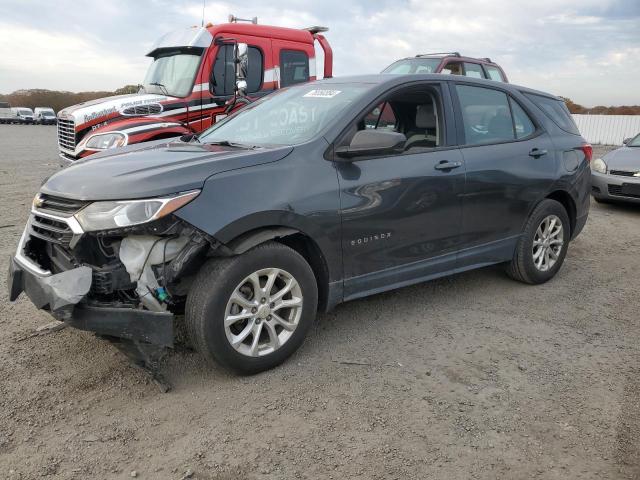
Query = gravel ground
x=472 y=376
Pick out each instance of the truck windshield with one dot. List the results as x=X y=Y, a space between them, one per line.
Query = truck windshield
x=413 y=65
x=172 y=74
x=289 y=117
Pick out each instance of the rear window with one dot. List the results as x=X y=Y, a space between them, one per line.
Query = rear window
x=494 y=73
x=556 y=110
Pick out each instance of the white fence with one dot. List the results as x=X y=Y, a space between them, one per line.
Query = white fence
x=607 y=129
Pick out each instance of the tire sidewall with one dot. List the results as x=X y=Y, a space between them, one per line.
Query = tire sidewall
x=548 y=207
x=215 y=337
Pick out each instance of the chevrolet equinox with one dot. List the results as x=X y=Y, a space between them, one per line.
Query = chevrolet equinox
x=315 y=195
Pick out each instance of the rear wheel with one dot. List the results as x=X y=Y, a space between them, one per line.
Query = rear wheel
x=543 y=245
x=249 y=313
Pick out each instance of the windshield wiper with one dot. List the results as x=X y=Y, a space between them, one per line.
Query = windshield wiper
x=163 y=88
x=227 y=143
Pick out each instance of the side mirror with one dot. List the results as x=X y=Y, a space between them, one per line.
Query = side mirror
x=372 y=142
x=229 y=74
x=241 y=51
x=626 y=140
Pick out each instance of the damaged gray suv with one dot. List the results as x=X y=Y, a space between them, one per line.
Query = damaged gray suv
x=315 y=195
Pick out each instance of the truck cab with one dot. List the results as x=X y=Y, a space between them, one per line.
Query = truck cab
x=197 y=77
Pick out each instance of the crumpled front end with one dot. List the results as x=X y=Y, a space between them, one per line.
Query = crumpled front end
x=127 y=283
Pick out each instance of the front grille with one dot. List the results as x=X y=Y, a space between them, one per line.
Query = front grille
x=617 y=191
x=50 y=230
x=150 y=109
x=622 y=173
x=60 y=205
x=67 y=134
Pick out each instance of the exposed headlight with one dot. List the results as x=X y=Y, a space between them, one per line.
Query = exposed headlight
x=105 y=141
x=599 y=166
x=125 y=213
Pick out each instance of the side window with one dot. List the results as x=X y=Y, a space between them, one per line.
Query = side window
x=223 y=74
x=294 y=67
x=493 y=73
x=453 y=68
x=254 y=73
x=485 y=114
x=521 y=121
x=556 y=110
x=381 y=118
x=413 y=111
x=473 y=70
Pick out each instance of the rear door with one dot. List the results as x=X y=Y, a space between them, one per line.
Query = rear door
x=509 y=166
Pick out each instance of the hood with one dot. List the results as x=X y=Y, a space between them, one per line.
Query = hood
x=95 y=111
x=625 y=158
x=153 y=169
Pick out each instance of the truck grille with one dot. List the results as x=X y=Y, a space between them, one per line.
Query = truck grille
x=50 y=230
x=64 y=206
x=67 y=134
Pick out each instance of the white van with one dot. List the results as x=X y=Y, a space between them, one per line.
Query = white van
x=45 y=116
x=6 y=115
x=23 y=114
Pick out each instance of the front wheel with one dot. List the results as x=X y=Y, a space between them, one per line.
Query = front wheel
x=543 y=245
x=250 y=312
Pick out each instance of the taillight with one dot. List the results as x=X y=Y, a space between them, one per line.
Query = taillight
x=588 y=151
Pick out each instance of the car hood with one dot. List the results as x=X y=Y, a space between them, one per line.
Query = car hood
x=102 y=109
x=152 y=170
x=625 y=158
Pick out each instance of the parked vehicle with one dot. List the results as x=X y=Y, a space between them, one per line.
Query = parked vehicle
x=197 y=77
x=6 y=113
x=451 y=63
x=616 y=176
x=45 y=116
x=23 y=114
x=303 y=200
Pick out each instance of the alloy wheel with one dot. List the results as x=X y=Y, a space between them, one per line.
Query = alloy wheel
x=547 y=243
x=263 y=312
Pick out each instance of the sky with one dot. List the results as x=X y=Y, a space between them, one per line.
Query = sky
x=587 y=50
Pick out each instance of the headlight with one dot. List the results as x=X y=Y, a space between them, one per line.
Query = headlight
x=599 y=166
x=125 y=213
x=106 y=140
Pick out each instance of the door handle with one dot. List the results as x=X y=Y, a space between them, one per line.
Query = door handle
x=446 y=165
x=537 y=152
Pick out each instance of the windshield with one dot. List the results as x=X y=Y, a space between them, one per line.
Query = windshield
x=413 y=65
x=289 y=117
x=635 y=142
x=172 y=74
x=25 y=111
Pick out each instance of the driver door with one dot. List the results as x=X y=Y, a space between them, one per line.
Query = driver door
x=401 y=213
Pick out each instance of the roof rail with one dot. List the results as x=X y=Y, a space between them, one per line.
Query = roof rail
x=486 y=59
x=316 y=29
x=453 y=54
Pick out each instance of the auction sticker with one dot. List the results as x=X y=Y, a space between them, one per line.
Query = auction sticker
x=322 y=93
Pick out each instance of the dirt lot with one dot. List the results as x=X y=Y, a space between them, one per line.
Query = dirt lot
x=473 y=376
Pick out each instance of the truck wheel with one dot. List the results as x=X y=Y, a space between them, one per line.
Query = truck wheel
x=250 y=312
x=543 y=245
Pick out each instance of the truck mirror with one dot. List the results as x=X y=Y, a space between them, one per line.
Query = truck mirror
x=242 y=68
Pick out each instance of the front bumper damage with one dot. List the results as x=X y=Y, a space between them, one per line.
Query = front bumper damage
x=61 y=294
x=113 y=296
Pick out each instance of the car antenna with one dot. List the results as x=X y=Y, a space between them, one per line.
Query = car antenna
x=203 y=5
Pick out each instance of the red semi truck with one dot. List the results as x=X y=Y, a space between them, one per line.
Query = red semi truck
x=198 y=75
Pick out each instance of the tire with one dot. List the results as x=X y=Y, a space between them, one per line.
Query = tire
x=523 y=266
x=209 y=303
